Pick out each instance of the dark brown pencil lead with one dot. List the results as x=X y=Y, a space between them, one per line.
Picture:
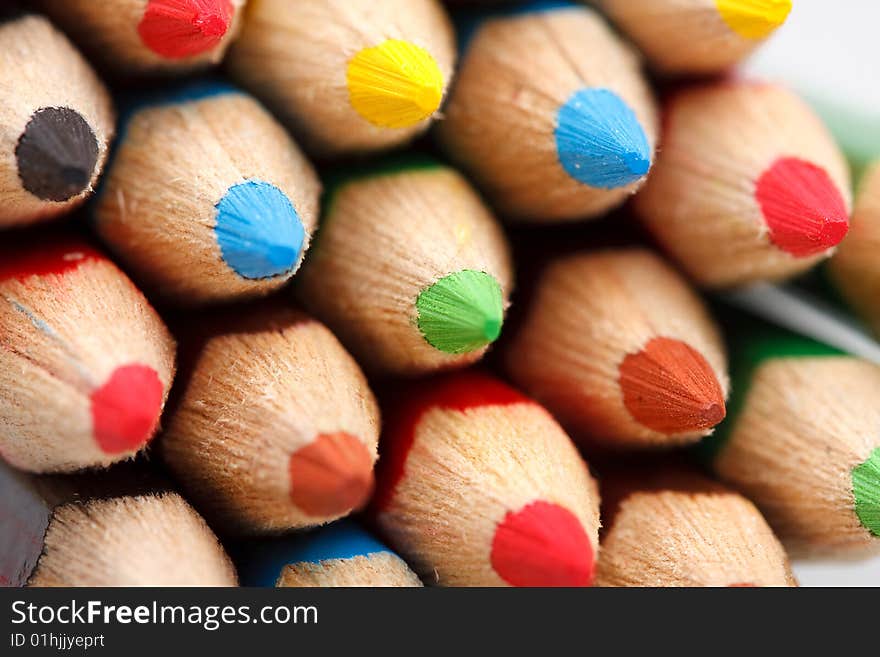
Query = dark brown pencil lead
x=56 y=154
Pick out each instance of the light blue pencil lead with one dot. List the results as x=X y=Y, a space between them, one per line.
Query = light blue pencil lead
x=258 y=230
x=600 y=141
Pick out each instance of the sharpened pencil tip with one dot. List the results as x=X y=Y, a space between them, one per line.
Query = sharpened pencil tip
x=600 y=141
x=126 y=409
x=542 y=544
x=183 y=28
x=395 y=84
x=754 y=19
x=211 y=25
x=462 y=312
x=258 y=230
x=866 y=489
x=712 y=414
x=56 y=154
x=803 y=208
x=669 y=387
x=331 y=475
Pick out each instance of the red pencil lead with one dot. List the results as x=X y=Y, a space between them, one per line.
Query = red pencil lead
x=542 y=544
x=183 y=28
x=803 y=208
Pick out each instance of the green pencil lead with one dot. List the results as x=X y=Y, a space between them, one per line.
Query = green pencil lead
x=462 y=312
x=866 y=488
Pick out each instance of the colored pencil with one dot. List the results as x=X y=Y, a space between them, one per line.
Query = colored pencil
x=550 y=114
x=855 y=267
x=749 y=185
x=128 y=37
x=622 y=351
x=803 y=441
x=85 y=361
x=340 y=554
x=207 y=199
x=479 y=486
x=673 y=527
x=56 y=120
x=347 y=75
x=107 y=530
x=439 y=295
x=696 y=36
x=276 y=428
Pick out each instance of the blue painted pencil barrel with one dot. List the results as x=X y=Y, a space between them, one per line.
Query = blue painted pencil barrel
x=339 y=554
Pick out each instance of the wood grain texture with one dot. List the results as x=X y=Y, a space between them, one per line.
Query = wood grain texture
x=690 y=36
x=62 y=337
x=594 y=312
x=855 y=268
x=501 y=118
x=805 y=424
x=39 y=68
x=118 y=527
x=295 y=55
x=268 y=384
x=380 y=569
x=150 y=540
x=700 y=201
x=384 y=240
x=108 y=32
x=672 y=527
x=158 y=206
x=465 y=473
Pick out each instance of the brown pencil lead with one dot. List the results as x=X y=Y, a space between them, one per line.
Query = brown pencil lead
x=670 y=387
x=622 y=351
x=56 y=154
x=56 y=121
x=331 y=475
x=276 y=428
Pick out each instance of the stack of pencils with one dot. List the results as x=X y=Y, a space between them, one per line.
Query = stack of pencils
x=394 y=293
